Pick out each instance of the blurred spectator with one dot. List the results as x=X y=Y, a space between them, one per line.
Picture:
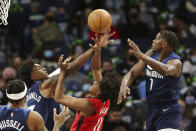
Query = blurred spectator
x=189 y=68
x=3 y=98
x=36 y=18
x=146 y=17
x=107 y=66
x=74 y=30
x=46 y=33
x=134 y=27
x=17 y=61
x=114 y=119
x=126 y=64
x=62 y=18
x=9 y=74
x=75 y=81
x=118 y=16
x=77 y=50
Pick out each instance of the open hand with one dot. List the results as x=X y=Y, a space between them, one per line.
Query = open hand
x=103 y=39
x=134 y=49
x=63 y=64
x=62 y=117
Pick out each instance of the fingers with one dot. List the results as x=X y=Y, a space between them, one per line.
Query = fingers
x=60 y=59
x=128 y=91
x=96 y=36
x=119 y=98
x=132 y=44
x=66 y=118
x=54 y=112
x=91 y=46
x=111 y=34
x=66 y=61
x=108 y=31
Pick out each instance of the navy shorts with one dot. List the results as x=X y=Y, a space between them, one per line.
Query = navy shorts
x=161 y=118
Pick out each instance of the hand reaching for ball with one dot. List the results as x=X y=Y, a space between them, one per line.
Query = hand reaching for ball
x=102 y=40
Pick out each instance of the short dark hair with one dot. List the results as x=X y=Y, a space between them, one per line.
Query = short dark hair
x=171 y=38
x=117 y=107
x=110 y=87
x=25 y=70
x=13 y=87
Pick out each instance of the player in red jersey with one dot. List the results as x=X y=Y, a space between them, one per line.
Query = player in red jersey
x=90 y=111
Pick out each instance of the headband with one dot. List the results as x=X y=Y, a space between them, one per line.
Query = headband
x=17 y=96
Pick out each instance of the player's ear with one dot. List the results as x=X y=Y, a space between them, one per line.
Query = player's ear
x=164 y=44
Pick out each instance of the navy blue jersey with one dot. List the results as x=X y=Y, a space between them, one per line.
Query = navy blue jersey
x=13 y=119
x=161 y=90
x=44 y=106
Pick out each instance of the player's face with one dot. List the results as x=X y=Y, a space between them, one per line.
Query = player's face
x=39 y=73
x=157 y=43
x=95 y=90
x=115 y=116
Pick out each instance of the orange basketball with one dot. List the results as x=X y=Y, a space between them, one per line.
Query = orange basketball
x=99 y=21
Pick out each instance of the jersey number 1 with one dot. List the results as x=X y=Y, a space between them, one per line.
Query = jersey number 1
x=151 y=83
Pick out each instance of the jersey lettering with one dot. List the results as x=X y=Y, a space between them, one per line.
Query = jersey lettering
x=11 y=123
x=33 y=95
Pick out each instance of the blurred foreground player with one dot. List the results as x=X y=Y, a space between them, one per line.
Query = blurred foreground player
x=14 y=117
x=163 y=70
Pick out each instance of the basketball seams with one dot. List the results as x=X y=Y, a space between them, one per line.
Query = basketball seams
x=99 y=21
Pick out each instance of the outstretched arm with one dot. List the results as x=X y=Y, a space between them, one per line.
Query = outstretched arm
x=171 y=68
x=130 y=77
x=96 y=64
x=74 y=103
x=79 y=61
x=102 y=41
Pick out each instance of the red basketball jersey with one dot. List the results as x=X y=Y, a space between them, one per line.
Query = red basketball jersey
x=91 y=123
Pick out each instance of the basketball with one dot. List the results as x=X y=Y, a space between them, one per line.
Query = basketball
x=99 y=21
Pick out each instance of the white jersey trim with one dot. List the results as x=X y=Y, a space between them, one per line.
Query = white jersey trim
x=169 y=129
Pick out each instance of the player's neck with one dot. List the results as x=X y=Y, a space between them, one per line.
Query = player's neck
x=164 y=54
x=20 y=105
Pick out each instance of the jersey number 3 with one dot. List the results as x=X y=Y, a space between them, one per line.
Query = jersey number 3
x=32 y=107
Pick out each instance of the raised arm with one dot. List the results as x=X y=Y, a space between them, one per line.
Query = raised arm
x=74 y=103
x=96 y=64
x=171 y=68
x=130 y=77
x=79 y=61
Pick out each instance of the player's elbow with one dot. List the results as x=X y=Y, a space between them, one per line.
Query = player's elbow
x=57 y=98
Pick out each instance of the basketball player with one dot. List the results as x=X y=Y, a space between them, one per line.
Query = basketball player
x=163 y=70
x=40 y=95
x=15 y=118
x=90 y=111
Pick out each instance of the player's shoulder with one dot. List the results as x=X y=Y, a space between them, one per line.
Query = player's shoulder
x=34 y=116
x=34 y=120
x=175 y=62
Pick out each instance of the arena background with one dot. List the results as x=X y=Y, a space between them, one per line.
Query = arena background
x=44 y=29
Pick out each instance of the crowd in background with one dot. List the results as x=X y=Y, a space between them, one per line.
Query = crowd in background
x=44 y=29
